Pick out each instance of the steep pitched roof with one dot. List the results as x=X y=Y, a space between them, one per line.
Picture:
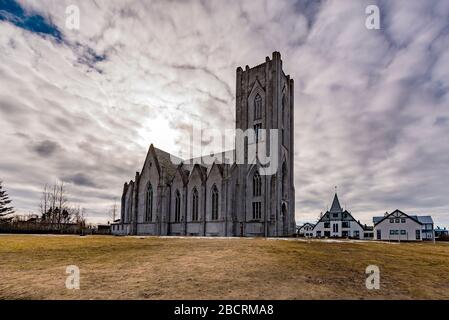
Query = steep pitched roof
x=377 y=220
x=305 y=225
x=165 y=161
x=336 y=205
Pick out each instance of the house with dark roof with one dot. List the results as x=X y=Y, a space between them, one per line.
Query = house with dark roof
x=339 y=223
x=439 y=232
x=399 y=226
x=306 y=230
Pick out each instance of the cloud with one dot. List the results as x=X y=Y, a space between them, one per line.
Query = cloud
x=371 y=105
x=79 y=179
x=46 y=148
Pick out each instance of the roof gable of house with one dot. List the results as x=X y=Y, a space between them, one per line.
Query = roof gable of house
x=395 y=214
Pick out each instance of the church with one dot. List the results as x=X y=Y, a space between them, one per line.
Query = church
x=226 y=199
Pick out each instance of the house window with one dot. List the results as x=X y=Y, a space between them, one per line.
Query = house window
x=391 y=232
x=318 y=234
x=214 y=203
x=345 y=224
x=327 y=225
x=335 y=215
x=397 y=220
x=327 y=233
x=257 y=212
x=402 y=220
x=195 y=205
x=391 y=220
x=403 y=232
x=149 y=203
x=356 y=234
x=335 y=227
x=257 y=107
x=418 y=234
x=379 y=234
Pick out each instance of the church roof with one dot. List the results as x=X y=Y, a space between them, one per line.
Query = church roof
x=165 y=161
x=336 y=205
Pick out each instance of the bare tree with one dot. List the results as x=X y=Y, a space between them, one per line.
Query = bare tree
x=114 y=209
x=54 y=205
x=45 y=201
x=78 y=215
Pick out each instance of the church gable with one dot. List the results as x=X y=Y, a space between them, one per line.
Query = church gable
x=198 y=174
x=181 y=176
x=216 y=170
x=149 y=181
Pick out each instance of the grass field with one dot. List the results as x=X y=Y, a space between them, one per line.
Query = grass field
x=33 y=267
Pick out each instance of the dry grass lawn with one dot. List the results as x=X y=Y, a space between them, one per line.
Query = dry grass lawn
x=33 y=267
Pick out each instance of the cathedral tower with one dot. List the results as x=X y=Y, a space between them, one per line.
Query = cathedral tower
x=265 y=100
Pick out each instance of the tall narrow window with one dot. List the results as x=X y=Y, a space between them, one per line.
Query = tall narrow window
x=284 y=102
x=149 y=204
x=257 y=128
x=284 y=180
x=257 y=210
x=257 y=185
x=257 y=107
x=177 y=206
x=195 y=205
x=214 y=203
x=283 y=115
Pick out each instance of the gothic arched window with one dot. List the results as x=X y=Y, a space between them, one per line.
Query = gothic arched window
x=214 y=203
x=257 y=107
x=177 y=206
x=195 y=205
x=283 y=115
x=257 y=185
x=149 y=203
x=284 y=180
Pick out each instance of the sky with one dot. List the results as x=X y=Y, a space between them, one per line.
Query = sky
x=83 y=105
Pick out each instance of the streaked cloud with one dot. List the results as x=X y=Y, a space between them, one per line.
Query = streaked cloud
x=83 y=106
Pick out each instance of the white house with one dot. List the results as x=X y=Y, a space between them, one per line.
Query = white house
x=339 y=223
x=306 y=230
x=398 y=226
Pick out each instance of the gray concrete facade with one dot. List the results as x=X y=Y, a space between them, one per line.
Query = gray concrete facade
x=223 y=199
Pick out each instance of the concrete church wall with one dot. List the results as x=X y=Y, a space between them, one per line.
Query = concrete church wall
x=234 y=183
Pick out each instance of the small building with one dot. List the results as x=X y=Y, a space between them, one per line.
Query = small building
x=368 y=233
x=104 y=229
x=339 y=223
x=399 y=226
x=119 y=229
x=441 y=232
x=306 y=230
